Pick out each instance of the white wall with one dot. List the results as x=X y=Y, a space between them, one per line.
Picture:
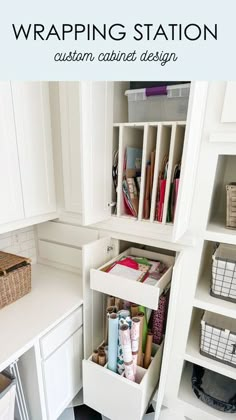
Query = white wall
x=20 y=242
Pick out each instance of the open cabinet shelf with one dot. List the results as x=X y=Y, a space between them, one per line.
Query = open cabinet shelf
x=225 y=174
x=158 y=141
x=203 y=298
x=192 y=406
x=193 y=354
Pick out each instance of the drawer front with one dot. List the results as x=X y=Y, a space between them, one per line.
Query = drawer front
x=133 y=291
x=115 y=396
x=52 y=340
x=62 y=373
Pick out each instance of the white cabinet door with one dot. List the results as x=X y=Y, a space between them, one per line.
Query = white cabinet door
x=70 y=141
x=34 y=139
x=229 y=105
x=63 y=374
x=10 y=180
x=96 y=105
x=94 y=255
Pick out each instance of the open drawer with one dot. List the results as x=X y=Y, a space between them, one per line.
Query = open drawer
x=117 y=397
x=131 y=290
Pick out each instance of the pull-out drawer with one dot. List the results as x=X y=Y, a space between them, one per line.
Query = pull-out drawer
x=58 y=335
x=131 y=290
x=117 y=397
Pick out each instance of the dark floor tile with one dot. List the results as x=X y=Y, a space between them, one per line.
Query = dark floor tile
x=86 y=413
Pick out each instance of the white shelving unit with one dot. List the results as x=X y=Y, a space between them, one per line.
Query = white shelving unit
x=85 y=118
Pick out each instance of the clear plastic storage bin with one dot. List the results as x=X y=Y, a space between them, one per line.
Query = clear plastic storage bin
x=168 y=103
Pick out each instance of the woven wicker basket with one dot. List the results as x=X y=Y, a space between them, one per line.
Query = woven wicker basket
x=231 y=205
x=15 y=278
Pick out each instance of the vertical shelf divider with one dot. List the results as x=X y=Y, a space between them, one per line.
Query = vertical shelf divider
x=120 y=171
x=156 y=171
x=143 y=172
x=170 y=163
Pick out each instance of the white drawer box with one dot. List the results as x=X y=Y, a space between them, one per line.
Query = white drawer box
x=131 y=290
x=115 y=396
x=54 y=338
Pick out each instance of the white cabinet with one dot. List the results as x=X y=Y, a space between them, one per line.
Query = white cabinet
x=86 y=132
x=33 y=130
x=10 y=180
x=27 y=186
x=62 y=375
x=90 y=139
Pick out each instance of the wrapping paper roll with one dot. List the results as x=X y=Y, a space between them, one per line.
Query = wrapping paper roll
x=110 y=310
x=140 y=344
x=127 y=352
x=134 y=334
x=159 y=317
x=148 y=351
x=124 y=318
x=112 y=341
x=145 y=326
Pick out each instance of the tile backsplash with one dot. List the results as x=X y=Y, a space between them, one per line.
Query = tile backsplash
x=20 y=242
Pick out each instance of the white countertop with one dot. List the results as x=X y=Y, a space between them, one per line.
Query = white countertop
x=55 y=294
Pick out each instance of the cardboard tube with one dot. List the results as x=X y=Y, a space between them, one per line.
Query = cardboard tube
x=110 y=301
x=140 y=344
x=134 y=309
x=102 y=358
x=148 y=351
x=95 y=356
x=118 y=303
x=145 y=327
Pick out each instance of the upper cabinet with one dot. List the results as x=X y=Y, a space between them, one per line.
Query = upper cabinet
x=99 y=137
x=86 y=114
x=27 y=175
x=34 y=139
x=10 y=181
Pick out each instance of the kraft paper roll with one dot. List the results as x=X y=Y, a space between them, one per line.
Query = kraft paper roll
x=118 y=303
x=110 y=301
x=134 y=310
x=140 y=344
x=134 y=334
x=102 y=358
x=127 y=352
x=145 y=326
x=148 y=351
x=112 y=341
x=124 y=318
x=95 y=356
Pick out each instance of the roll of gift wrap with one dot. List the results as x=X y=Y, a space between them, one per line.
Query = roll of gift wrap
x=110 y=310
x=112 y=341
x=134 y=334
x=127 y=352
x=124 y=318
